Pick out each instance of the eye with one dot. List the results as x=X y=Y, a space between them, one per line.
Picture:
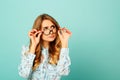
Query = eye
x=53 y=26
x=45 y=28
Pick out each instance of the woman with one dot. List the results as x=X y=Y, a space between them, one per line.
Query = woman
x=47 y=57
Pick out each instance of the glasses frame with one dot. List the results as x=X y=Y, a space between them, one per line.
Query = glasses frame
x=50 y=30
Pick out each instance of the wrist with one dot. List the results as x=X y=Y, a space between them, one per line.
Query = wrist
x=65 y=45
x=32 y=49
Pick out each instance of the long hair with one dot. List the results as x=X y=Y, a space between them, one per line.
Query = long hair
x=54 y=46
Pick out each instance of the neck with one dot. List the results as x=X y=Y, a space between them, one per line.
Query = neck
x=45 y=44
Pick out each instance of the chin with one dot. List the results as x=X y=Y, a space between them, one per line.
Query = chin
x=50 y=40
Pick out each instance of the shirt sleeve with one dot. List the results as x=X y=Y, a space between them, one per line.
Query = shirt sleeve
x=25 y=67
x=64 y=62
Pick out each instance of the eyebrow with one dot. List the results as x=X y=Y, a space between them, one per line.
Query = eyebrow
x=48 y=26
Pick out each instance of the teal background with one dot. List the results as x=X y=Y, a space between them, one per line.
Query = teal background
x=94 y=45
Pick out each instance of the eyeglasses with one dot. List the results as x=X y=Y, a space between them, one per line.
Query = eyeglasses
x=51 y=30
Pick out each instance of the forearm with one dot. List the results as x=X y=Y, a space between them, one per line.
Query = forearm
x=26 y=64
x=64 y=62
x=32 y=49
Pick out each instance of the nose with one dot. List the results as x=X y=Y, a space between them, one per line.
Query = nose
x=51 y=31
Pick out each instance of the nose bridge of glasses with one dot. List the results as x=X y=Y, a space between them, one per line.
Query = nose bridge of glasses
x=50 y=30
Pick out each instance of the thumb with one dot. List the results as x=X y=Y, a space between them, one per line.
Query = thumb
x=60 y=35
x=39 y=34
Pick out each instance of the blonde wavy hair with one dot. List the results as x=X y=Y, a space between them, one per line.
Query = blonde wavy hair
x=54 y=46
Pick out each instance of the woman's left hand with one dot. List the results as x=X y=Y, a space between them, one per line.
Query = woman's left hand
x=64 y=35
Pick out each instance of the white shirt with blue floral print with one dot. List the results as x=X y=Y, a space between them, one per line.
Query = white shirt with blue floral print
x=45 y=71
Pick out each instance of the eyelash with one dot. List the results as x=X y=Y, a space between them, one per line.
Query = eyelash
x=51 y=27
x=45 y=28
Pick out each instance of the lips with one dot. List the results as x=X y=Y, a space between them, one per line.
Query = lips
x=52 y=36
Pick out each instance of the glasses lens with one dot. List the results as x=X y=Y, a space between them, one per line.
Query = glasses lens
x=52 y=29
x=46 y=31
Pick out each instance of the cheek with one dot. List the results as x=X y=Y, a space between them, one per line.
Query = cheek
x=56 y=35
x=44 y=37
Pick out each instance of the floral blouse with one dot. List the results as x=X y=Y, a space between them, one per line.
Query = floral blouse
x=45 y=71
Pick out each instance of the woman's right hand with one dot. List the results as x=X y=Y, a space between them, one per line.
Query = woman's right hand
x=34 y=35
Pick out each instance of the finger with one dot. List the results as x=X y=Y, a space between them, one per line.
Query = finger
x=59 y=33
x=39 y=34
x=33 y=30
x=63 y=30
x=30 y=33
x=67 y=31
x=36 y=34
x=60 y=28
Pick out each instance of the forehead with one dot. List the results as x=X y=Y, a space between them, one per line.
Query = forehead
x=46 y=23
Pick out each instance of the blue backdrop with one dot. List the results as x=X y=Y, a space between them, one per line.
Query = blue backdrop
x=94 y=45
